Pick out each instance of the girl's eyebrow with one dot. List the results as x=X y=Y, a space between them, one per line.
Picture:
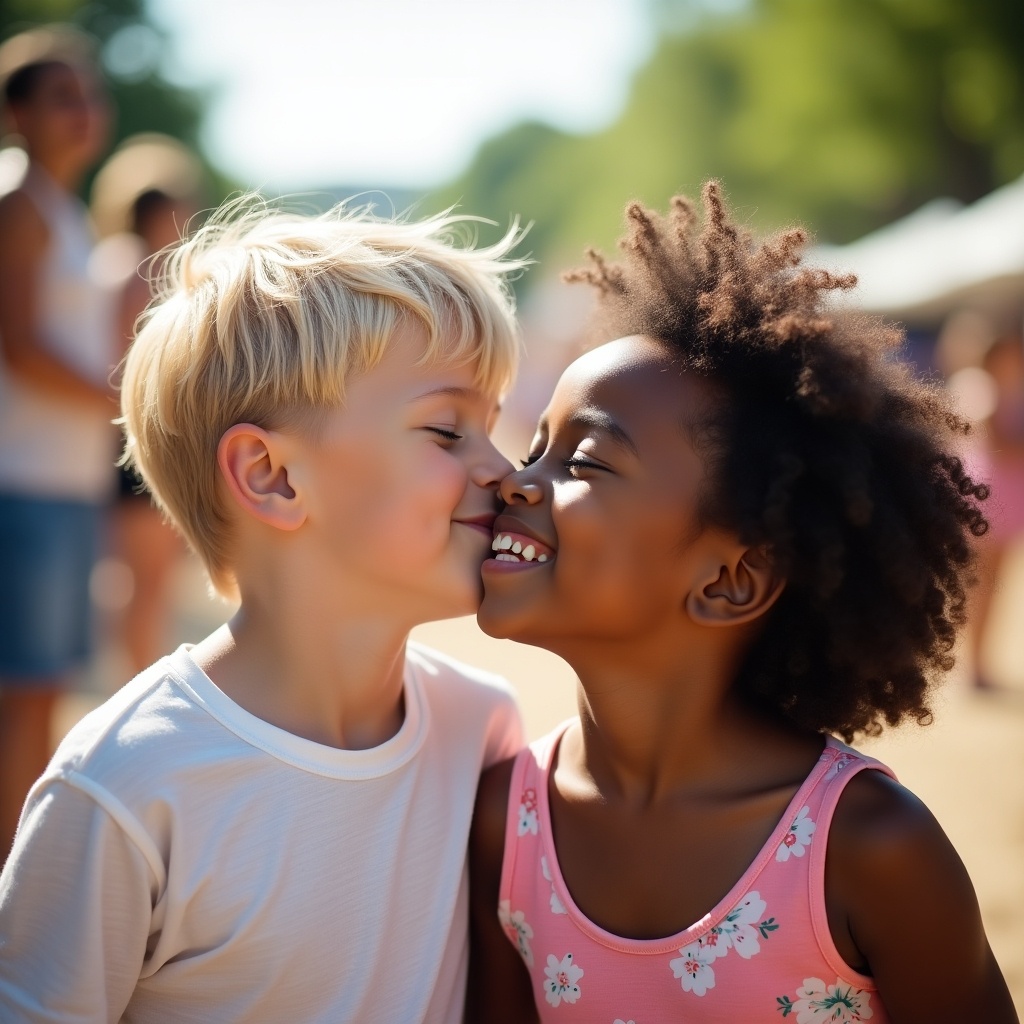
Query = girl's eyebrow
x=600 y=420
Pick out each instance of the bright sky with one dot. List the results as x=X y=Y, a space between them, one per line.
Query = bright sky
x=311 y=93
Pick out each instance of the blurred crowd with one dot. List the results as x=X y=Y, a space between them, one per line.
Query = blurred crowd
x=76 y=531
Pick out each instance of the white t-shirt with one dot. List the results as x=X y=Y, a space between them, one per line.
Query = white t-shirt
x=183 y=860
x=50 y=447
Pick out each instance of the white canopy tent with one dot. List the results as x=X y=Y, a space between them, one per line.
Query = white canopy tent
x=943 y=257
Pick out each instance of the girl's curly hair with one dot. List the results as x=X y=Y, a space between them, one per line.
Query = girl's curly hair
x=829 y=453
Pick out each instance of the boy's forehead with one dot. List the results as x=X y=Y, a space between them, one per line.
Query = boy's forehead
x=400 y=381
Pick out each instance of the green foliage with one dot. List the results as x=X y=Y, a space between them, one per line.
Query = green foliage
x=835 y=114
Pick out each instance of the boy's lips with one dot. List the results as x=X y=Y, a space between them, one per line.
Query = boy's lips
x=515 y=543
x=483 y=523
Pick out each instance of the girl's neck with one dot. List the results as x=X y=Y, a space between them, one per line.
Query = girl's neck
x=648 y=732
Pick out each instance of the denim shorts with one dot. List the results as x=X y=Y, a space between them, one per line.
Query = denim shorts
x=47 y=552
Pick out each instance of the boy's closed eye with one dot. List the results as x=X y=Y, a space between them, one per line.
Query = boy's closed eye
x=445 y=432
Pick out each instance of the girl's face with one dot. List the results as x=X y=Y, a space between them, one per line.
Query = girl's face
x=607 y=501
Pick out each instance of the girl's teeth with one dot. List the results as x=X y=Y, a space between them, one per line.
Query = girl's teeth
x=507 y=550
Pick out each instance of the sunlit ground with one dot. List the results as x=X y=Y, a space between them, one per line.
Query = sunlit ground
x=968 y=767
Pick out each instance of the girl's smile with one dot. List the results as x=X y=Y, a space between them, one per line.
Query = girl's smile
x=515 y=544
x=597 y=534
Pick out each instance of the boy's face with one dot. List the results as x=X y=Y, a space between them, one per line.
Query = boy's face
x=608 y=501
x=401 y=488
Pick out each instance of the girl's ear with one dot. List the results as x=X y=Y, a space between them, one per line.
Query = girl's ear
x=736 y=588
x=252 y=462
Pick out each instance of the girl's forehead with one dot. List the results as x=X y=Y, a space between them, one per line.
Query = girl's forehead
x=622 y=372
x=621 y=355
x=636 y=385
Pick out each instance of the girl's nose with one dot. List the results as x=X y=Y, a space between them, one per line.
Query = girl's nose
x=517 y=488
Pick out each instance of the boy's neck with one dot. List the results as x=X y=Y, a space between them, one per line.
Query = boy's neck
x=335 y=680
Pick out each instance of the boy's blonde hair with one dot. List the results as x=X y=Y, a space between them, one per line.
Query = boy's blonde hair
x=262 y=316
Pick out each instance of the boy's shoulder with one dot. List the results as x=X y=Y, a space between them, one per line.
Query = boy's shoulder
x=138 y=731
x=456 y=679
x=470 y=709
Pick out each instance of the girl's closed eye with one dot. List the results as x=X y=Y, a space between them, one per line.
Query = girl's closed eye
x=578 y=462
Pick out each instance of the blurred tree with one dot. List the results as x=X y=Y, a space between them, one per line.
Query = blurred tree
x=838 y=115
x=131 y=47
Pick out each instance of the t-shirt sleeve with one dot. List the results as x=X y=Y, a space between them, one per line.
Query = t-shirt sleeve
x=76 y=899
x=505 y=735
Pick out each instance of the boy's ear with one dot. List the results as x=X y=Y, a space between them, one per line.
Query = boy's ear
x=252 y=462
x=737 y=587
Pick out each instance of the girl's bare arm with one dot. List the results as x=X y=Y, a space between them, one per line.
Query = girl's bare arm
x=499 y=990
x=910 y=908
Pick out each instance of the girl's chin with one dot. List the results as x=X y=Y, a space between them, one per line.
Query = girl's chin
x=498 y=624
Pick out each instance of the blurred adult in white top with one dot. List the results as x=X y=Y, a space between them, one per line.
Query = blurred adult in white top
x=56 y=354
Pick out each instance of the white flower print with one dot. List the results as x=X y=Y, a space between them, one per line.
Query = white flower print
x=619 y=1020
x=517 y=929
x=560 y=983
x=739 y=929
x=798 y=838
x=693 y=967
x=528 y=812
x=818 y=1003
x=557 y=907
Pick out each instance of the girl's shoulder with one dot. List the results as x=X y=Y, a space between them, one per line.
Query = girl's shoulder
x=490 y=816
x=896 y=878
x=876 y=818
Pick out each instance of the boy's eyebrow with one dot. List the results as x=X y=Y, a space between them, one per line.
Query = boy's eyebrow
x=451 y=391
x=457 y=391
x=592 y=417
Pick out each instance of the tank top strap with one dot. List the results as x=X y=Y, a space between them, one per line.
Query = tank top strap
x=844 y=764
x=529 y=774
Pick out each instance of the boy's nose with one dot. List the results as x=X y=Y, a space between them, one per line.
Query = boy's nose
x=491 y=467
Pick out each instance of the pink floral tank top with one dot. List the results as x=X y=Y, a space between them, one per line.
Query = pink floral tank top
x=763 y=954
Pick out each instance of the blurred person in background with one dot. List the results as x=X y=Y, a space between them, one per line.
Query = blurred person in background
x=1001 y=463
x=56 y=404
x=984 y=369
x=142 y=201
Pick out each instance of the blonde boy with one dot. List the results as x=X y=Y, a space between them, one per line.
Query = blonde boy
x=271 y=825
